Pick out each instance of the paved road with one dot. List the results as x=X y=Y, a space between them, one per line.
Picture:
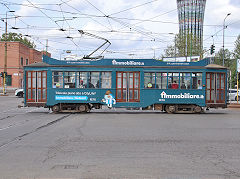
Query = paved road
x=121 y=144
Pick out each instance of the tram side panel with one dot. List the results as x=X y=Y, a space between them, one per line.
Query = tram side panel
x=168 y=96
x=148 y=96
x=66 y=95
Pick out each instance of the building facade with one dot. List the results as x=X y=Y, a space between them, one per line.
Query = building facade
x=18 y=55
x=191 y=17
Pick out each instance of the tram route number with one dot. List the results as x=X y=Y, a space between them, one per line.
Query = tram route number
x=93 y=99
x=161 y=99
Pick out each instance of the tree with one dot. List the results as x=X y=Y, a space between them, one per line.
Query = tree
x=169 y=51
x=237 y=48
x=229 y=62
x=184 y=46
x=237 y=54
x=218 y=59
x=17 y=37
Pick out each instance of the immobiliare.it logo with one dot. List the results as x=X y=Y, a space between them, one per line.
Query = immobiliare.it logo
x=181 y=96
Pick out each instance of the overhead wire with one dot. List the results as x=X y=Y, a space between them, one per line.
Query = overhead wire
x=100 y=12
x=98 y=16
x=86 y=15
x=53 y=21
x=62 y=12
x=29 y=36
x=148 y=34
x=133 y=7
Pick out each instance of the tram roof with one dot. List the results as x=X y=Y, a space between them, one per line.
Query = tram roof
x=114 y=62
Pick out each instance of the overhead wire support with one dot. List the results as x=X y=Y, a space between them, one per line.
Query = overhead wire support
x=97 y=37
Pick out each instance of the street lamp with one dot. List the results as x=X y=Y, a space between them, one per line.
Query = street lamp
x=224 y=27
x=5 y=57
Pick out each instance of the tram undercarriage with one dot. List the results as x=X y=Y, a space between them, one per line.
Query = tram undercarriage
x=169 y=108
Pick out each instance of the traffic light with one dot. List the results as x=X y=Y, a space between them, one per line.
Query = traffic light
x=212 y=49
x=2 y=74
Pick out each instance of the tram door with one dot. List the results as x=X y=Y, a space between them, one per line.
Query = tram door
x=128 y=87
x=215 y=88
x=36 y=90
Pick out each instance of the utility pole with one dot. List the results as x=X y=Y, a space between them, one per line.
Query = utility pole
x=46 y=46
x=223 y=35
x=175 y=50
x=5 y=58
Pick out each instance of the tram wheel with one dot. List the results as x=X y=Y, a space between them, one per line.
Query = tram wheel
x=197 y=109
x=56 y=108
x=170 y=109
x=82 y=108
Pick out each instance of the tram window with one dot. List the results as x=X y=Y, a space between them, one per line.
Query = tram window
x=69 y=79
x=185 y=80
x=196 y=80
x=81 y=80
x=136 y=81
x=173 y=80
x=29 y=80
x=33 y=80
x=106 y=79
x=44 y=80
x=161 y=80
x=93 y=81
x=39 y=83
x=222 y=81
x=149 y=80
x=57 y=79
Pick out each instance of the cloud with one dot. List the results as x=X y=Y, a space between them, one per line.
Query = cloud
x=127 y=34
x=25 y=10
x=235 y=3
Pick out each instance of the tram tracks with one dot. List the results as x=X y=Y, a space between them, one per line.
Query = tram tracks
x=15 y=114
x=21 y=136
x=14 y=124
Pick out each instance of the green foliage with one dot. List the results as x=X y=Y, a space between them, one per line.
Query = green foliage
x=186 y=45
x=169 y=51
x=237 y=48
x=229 y=62
x=13 y=37
x=237 y=53
x=218 y=59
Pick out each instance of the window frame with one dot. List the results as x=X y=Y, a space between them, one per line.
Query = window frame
x=78 y=77
x=172 y=75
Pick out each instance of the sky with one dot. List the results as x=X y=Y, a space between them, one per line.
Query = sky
x=135 y=29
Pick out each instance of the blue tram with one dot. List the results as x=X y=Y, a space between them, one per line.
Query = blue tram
x=79 y=86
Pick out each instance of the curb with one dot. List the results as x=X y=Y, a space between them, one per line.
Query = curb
x=3 y=94
x=233 y=106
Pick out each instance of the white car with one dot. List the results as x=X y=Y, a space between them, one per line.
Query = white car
x=233 y=94
x=19 y=93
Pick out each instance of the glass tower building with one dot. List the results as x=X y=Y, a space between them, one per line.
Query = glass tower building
x=191 y=16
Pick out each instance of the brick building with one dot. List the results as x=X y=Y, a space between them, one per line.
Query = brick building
x=18 y=55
